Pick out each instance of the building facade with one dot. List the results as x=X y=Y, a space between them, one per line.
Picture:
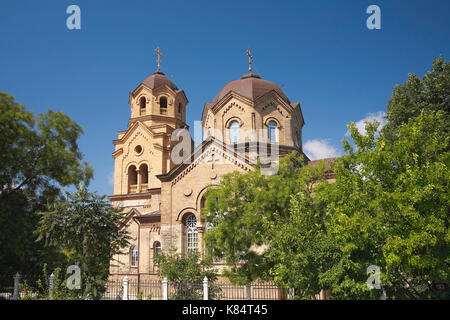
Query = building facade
x=164 y=198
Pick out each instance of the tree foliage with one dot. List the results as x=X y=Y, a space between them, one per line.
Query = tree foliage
x=431 y=94
x=90 y=231
x=302 y=250
x=239 y=208
x=186 y=275
x=38 y=157
x=390 y=208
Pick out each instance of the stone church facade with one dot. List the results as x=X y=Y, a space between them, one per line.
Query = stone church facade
x=163 y=198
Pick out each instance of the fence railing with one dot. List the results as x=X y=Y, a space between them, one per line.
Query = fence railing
x=145 y=290
x=168 y=290
x=134 y=289
x=254 y=291
x=113 y=290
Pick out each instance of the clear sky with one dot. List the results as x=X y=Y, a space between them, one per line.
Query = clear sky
x=319 y=52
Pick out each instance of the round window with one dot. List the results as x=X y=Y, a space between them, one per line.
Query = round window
x=138 y=149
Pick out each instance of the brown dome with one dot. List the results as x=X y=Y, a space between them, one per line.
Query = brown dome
x=250 y=86
x=158 y=79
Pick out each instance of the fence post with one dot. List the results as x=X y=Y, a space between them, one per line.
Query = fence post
x=16 y=286
x=205 y=288
x=383 y=296
x=248 y=290
x=165 y=289
x=125 y=288
x=51 y=286
x=291 y=294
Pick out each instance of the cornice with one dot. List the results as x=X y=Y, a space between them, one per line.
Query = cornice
x=117 y=153
x=135 y=196
x=177 y=122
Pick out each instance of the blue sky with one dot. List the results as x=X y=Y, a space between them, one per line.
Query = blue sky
x=320 y=52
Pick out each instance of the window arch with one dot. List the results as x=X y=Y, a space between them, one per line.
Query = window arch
x=143 y=171
x=142 y=104
x=297 y=139
x=163 y=105
x=134 y=256
x=273 y=133
x=208 y=133
x=234 y=131
x=191 y=234
x=156 y=251
x=132 y=179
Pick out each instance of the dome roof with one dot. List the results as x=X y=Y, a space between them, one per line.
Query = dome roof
x=158 y=79
x=250 y=86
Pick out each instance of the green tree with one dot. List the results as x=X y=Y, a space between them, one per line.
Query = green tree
x=431 y=93
x=238 y=210
x=389 y=207
x=90 y=231
x=39 y=156
x=41 y=290
x=186 y=275
x=301 y=248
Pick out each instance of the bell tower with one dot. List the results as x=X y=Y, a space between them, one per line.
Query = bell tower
x=142 y=151
x=158 y=100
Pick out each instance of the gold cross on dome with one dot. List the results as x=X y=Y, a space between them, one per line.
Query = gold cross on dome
x=250 y=59
x=159 y=53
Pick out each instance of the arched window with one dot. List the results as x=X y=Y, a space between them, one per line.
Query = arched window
x=163 y=105
x=273 y=131
x=132 y=179
x=143 y=171
x=156 y=251
x=134 y=256
x=296 y=139
x=234 y=131
x=208 y=133
x=191 y=234
x=202 y=204
x=142 y=103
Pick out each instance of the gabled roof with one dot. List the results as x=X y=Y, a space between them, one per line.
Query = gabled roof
x=138 y=123
x=215 y=106
x=328 y=164
x=151 y=214
x=327 y=161
x=152 y=217
x=190 y=159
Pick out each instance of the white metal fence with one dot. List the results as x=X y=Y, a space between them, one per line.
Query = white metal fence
x=127 y=289
x=133 y=289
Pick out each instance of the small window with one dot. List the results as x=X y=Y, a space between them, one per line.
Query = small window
x=208 y=133
x=163 y=105
x=156 y=251
x=296 y=139
x=138 y=149
x=132 y=179
x=143 y=171
x=234 y=132
x=273 y=131
x=142 y=103
x=134 y=256
x=179 y=108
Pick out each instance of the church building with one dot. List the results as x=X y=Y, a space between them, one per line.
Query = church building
x=163 y=198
